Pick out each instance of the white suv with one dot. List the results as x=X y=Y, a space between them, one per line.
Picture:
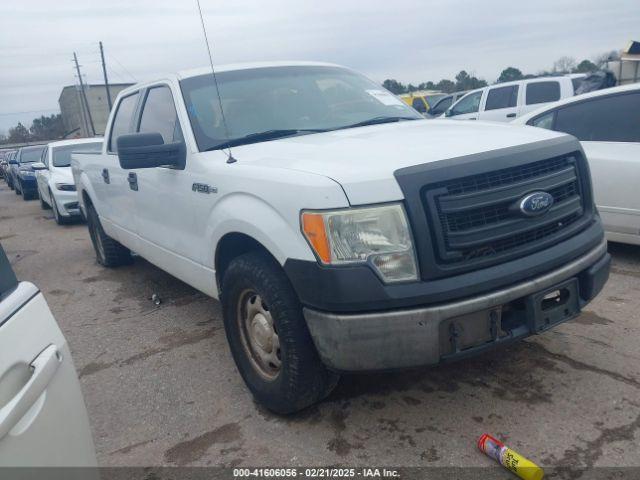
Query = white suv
x=505 y=101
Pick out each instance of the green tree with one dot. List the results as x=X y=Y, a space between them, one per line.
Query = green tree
x=446 y=86
x=586 y=66
x=464 y=81
x=394 y=86
x=47 y=128
x=427 y=86
x=510 y=74
x=18 y=134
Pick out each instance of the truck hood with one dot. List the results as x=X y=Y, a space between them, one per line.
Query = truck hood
x=363 y=160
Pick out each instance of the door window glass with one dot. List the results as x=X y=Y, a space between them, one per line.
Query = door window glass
x=614 y=118
x=468 y=104
x=122 y=120
x=542 y=92
x=159 y=115
x=502 y=97
x=543 y=121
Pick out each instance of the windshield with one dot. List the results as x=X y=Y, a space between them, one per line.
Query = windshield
x=31 y=154
x=296 y=99
x=62 y=155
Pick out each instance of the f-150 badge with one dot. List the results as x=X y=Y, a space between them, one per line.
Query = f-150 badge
x=203 y=188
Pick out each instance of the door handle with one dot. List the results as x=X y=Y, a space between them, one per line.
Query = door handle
x=105 y=175
x=44 y=368
x=132 y=178
x=511 y=115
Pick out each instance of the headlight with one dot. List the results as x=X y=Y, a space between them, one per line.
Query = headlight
x=379 y=236
x=27 y=173
x=67 y=187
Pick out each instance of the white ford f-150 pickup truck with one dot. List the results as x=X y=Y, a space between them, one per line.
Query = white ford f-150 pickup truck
x=340 y=230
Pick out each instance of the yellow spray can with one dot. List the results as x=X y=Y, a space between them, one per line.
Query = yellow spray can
x=509 y=459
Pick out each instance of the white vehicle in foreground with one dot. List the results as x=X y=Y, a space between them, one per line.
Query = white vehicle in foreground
x=505 y=101
x=55 y=180
x=607 y=123
x=340 y=229
x=43 y=418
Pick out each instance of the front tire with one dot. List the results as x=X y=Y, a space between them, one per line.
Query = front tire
x=109 y=252
x=268 y=336
x=60 y=220
x=18 y=191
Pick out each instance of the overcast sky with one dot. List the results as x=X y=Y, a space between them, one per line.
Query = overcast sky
x=409 y=40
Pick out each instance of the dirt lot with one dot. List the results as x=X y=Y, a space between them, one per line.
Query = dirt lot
x=162 y=389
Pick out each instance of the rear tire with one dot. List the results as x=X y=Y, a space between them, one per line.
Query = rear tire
x=43 y=204
x=109 y=252
x=261 y=311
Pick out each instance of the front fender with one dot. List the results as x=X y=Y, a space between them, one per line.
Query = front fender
x=247 y=214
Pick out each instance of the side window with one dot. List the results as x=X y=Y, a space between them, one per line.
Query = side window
x=542 y=92
x=45 y=156
x=419 y=105
x=468 y=104
x=122 y=120
x=543 y=121
x=441 y=106
x=614 y=118
x=502 y=97
x=159 y=115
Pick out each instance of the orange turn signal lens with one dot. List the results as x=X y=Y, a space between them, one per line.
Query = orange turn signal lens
x=314 y=229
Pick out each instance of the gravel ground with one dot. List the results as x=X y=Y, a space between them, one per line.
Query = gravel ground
x=161 y=387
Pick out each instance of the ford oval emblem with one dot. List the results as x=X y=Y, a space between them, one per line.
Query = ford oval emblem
x=536 y=203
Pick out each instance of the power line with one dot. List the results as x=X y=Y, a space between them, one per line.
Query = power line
x=123 y=67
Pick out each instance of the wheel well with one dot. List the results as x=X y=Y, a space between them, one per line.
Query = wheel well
x=233 y=245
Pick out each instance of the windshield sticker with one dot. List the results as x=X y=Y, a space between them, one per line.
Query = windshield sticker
x=385 y=98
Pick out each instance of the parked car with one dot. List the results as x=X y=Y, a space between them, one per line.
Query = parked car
x=421 y=101
x=23 y=176
x=7 y=169
x=607 y=123
x=505 y=101
x=340 y=229
x=43 y=418
x=54 y=178
x=441 y=106
x=4 y=163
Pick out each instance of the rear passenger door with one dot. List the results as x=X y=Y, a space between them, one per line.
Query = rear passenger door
x=539 y=93
x=164 y=195
x=501 y=104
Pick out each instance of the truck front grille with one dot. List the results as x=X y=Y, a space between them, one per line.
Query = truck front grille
x=477 y=216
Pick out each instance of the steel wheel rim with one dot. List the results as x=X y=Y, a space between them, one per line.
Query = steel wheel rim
x=259 y=335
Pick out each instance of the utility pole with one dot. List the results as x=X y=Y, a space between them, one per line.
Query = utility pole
x=84 y=95
x=106 y=80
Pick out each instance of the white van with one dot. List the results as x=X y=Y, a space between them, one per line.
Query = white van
x=505 y=101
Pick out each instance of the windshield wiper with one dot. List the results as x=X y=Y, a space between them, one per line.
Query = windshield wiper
x=378 y=120
x=262 y=136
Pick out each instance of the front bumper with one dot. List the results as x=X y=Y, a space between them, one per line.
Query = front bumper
x=67 y=203
x=428 y=335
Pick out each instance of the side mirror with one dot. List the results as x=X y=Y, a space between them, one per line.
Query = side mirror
x=13 y=162
x=38 y=166
x=448 y=113
x=148 y=150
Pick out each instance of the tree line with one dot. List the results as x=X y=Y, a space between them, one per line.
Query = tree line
x=42 y=128
x=465 y=81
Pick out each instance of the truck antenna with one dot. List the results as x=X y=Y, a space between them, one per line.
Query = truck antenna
x=230 y=158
